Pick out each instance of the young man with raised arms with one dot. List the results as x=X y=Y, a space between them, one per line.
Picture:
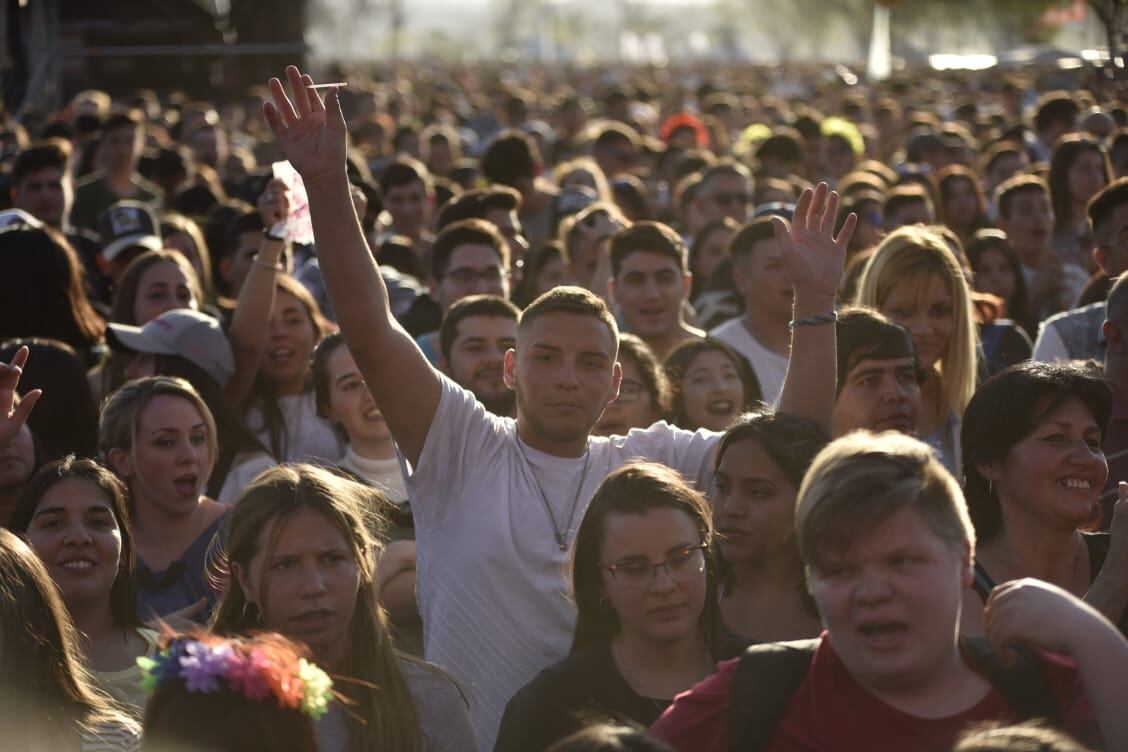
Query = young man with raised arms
x=497 y=500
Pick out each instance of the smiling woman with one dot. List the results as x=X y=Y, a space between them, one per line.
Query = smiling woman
x=711 y=384
x=74 y=514
x=1034 y=470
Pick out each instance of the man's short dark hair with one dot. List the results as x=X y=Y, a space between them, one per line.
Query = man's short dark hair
x=725 y=168
x=651 y=237
x=613 y=133
x=902 y=196
x=574 y=300
x=477 y=204
x=405 y=171
x=489 y=306
x=121 y=119
x=1005 y=194
x=41 y=156
x=756 y=231
x=248 y=221
x=866 y=334
x=1055 y=107
x=1107 y=200
x=511 y=158
x=466 y=232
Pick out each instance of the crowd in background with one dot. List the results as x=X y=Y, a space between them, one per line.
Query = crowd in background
x=465 y=410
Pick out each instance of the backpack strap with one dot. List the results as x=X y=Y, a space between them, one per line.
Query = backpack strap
x=1022 y=684
x=766 y=679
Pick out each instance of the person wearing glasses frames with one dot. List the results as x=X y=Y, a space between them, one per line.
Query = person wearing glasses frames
x=496 y=500
x=469 y=257
x=725 y=190
x=644 y=574
x=644 y=393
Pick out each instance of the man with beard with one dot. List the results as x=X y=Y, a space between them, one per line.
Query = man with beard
x=476 y=333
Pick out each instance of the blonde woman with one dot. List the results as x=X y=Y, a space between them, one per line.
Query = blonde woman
x=159 y=437
x=302 y=562
x=915 y=280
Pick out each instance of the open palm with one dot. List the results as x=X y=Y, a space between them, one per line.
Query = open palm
x=310 y=132
x=813 y=256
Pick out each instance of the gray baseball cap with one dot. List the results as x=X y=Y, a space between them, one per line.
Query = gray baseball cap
x=190 y=334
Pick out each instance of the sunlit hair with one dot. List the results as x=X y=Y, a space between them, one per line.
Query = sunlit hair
x=126 y=296
x=1068 y=150
x=863 y=478
x=634 y=489
x=121 y=415
x=227 y=720
x=566 y=174
x=912 y=254
x=263 y=393
x=384 y=716
x=572 y=300
x=172 y=222
x=649 y=370
x=123 y=593
x=47 y=697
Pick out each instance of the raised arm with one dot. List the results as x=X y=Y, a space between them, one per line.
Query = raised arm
x=312 y=135
x=1045 y=617
x=250 y=322
x=814 y=259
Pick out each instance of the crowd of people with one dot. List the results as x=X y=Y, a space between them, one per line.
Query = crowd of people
x=630 y=411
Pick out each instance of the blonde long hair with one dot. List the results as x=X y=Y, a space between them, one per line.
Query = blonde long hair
x=382 y=715
x=911 y=253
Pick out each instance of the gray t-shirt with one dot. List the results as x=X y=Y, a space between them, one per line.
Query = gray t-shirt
x=442 y=711
x=490 y=578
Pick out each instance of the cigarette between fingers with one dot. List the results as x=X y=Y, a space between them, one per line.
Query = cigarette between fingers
x=326 y=86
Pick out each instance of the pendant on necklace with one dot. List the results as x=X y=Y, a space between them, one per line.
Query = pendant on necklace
x=560 y=543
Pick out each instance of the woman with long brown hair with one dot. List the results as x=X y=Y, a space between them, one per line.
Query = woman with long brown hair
x=644 y=578
x=48 y=701
x=301 y=561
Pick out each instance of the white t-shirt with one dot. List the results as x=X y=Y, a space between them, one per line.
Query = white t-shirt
x=244 y=469
x=770 y=366
x=385 y=475
x=490 y=579
x=308 y=435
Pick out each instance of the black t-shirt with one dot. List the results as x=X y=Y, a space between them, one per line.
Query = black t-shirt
x=580 y=690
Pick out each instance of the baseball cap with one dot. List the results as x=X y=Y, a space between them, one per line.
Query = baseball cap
x=18 y=218
x=190 y=334
x=127 y=224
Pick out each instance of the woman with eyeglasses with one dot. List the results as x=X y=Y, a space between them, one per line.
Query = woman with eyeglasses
x=644 y=392
x=644 y=583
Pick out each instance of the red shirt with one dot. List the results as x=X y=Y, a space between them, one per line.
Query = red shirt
x=831 y=711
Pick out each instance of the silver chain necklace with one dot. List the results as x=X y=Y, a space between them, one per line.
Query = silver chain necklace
x=557 y=532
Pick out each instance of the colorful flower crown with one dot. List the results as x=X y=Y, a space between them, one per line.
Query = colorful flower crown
x=250 y=669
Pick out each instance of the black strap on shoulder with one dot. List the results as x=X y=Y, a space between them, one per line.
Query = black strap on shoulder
x=982 y=584
x=766 y=679
x=1022 y=684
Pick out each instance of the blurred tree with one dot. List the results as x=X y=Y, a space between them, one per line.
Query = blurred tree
x=1114 y=15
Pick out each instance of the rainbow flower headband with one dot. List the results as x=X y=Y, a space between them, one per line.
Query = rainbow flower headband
x=252 y=672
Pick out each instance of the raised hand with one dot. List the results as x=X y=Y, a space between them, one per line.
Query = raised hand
x=813 y=256
x=1039 y=615
x=310 y=132
x=13 y=416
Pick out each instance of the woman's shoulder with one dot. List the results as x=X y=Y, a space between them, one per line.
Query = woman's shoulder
x=426 y=680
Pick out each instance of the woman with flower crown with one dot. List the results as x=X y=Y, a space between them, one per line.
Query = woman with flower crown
x=233 y=695
x=301 y=561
